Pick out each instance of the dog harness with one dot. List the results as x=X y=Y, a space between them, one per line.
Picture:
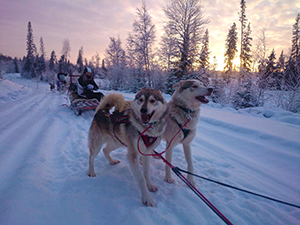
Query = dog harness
x=148 y=141
x=119 y=117
x=184 y=130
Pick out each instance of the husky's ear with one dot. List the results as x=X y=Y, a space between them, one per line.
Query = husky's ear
x=182 y=85
x=177 y=86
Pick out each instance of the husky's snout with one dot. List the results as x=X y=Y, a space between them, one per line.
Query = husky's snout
x=144 y=110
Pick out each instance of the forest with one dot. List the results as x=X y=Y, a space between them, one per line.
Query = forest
x=182 y=53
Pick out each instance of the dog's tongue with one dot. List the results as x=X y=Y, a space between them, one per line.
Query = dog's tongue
x=202 y=99
x=145 y=118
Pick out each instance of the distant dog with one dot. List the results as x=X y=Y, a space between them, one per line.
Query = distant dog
x=124 y=127
x=185 y=103
x=52 y=87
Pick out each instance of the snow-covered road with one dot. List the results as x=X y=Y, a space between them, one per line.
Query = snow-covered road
x=44 y=158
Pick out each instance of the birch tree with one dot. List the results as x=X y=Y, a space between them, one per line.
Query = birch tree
x=116 y=62
x=141 y=41
x=184 y=23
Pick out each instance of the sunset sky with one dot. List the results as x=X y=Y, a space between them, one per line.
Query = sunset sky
x=90 y=23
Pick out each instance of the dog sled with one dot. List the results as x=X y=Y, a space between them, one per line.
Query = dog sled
x=79 y=103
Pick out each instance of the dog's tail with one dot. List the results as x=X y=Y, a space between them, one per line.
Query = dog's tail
x=113 y=100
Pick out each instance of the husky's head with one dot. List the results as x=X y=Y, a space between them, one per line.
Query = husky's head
x=149 y=105
x=191 y=92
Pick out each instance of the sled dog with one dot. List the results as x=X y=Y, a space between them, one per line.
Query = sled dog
x=185 y=104
x=52 y=87
x=123 y=128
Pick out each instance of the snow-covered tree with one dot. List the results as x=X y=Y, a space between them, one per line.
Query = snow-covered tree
x=246 y=50
x=42 y=48
x=184 y=24
x=115 y=55
x=270 y=68
x=204 y=52
x=259 y=53
x=296 y=40
x=40 y=60
x=64 y=63
x=28 y=70
x=246 y=95
x=80 y=60
x=52 y=61
x=66 y=49
x=230 y=48
x=167 y=51
x=140 y=42
x=116 y=62
x=16 y=65
x=245 y=54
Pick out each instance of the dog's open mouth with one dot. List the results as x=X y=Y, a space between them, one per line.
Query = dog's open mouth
x=202 y=99
x=146 y=117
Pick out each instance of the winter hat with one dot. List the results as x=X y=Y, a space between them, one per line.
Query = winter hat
x=88 y=71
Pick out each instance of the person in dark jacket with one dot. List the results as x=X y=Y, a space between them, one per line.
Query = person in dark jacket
x=87 y=87
x=61 y=80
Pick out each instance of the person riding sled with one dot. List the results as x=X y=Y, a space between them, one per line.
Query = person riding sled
x=61 y=80
x=87 y=87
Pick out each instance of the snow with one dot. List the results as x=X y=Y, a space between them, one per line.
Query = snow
x=44 y=159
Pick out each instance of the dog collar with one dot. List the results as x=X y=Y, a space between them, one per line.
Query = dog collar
x=186 y=110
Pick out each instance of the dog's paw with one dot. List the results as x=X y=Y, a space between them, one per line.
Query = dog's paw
x=148 y=201
x=91 y=174
x=114 y=162
x=152 y=188
x=190 y=178
x=169 y=180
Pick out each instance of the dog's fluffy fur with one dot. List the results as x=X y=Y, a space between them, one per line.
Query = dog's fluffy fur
x=148 y=108
x=184 y=104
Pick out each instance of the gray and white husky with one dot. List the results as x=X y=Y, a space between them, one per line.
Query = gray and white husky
x=185 y=104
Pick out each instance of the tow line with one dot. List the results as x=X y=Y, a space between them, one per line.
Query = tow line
x=178 y=173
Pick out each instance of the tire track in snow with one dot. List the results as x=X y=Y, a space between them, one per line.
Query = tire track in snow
x=20 y=139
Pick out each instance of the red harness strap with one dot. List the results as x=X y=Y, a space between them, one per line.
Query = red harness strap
x=148 y=141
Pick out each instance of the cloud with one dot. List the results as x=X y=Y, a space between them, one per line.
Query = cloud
x=91 y=23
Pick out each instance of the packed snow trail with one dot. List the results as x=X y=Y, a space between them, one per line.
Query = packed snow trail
x=44 y=159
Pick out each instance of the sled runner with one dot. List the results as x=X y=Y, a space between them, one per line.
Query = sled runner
x=79 y=103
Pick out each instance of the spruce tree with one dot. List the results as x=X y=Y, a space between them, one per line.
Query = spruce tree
x=230 y=48
x=80 y=60
x=270 y=69
x=296 y=40
x=41 y=65
x=16 y=70
x=53 y=61
x=204 y=54
x=28 y=70
x=246 y=50
x=245 y=54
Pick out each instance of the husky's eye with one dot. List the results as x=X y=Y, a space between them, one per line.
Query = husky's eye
x=141 y=100
x=194 y=86
x=152 y=101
